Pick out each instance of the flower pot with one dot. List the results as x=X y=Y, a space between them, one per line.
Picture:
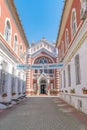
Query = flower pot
x=13 y=94
x=84 y=92
x=4 y=95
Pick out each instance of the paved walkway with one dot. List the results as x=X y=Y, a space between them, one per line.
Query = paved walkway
x=42 y=113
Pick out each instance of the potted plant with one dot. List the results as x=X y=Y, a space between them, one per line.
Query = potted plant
x=13 y=94
x=35 y=92
x=66 y=91
x=72 y=90
x=4 y=95
x=84 y=90
x=51 y=92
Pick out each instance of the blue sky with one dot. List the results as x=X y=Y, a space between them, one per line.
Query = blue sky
x=40 y=18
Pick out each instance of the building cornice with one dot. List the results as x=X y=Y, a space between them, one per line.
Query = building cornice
x=13 y=11
x=77 y=43
x=7 y=48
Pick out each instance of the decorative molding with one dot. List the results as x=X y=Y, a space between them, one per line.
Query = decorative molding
x=77 y=47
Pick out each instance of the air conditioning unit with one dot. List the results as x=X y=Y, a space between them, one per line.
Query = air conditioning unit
x=83 y=11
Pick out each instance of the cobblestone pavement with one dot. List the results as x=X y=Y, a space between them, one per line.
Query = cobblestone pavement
x=42 y=113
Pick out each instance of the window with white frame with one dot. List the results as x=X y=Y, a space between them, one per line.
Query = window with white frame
x=24 y=55
x=21 y=51
x=13 y=81
x=73 y=22
x=69 y=75
x=51 y=71
x=64 y=78
x=45 y=71
x=16 y=44
x=83 y=9
x=77 y=70
x=7 y=31
x=66 y=38
x=3 y=78
x=36 y=71
x=24 y=84
x=19 y=82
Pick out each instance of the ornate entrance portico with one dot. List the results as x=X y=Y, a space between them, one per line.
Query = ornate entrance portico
x=43 y=84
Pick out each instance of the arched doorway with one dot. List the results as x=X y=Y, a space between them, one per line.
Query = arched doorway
x=43 y=87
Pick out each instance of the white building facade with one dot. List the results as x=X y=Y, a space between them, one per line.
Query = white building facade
x=73 y=54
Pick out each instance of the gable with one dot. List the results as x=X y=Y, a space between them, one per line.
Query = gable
x=43 y=46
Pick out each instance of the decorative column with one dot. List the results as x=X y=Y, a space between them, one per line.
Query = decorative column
x=48 y=82
x=29 y=75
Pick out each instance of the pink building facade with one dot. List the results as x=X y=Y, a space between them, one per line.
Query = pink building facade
x=13 y=44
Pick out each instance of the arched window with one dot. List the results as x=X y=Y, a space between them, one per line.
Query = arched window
x=15 y=43
x=42 y=60
x=77 y=70
x=73 y=22
x=7 y=31
x=66 y=38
